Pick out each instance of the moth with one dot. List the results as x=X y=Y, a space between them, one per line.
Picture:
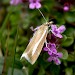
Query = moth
x=35 y=45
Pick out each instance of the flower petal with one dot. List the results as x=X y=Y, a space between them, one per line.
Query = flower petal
x=32 y=5
x=50 y=52
x=38 y=5
x=50 y=59
x=15 y=2
x=57 y=61
x=53 y=27
x=66 y=8
x=59 y=35
x=61 y=29
x=31 y=1
x=45 y=49
x=60 y=55
x=53 y=48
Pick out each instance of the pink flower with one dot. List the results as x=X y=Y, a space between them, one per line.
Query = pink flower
x=34 y=4
x=51 y=48
x=55 y=57
x=52 y=51
x=57 y=31
x=15 y=2
x=66 y=8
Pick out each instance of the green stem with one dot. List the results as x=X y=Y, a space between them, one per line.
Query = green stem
x=4 y=24
x=5 y=21
x=16 y=38
x=4 y=71
x=5 y=66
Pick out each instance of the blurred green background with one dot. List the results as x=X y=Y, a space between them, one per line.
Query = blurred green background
x=15 y=33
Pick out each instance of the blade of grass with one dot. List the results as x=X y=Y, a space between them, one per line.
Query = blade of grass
x=15 y=44
x=5 y=66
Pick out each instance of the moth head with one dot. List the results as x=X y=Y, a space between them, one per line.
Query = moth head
x=49 y=23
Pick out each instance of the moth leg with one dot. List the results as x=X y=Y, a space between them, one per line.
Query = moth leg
x=46 y=42
x=34 y=29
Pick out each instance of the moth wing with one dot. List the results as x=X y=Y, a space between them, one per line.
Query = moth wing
x=35 y=45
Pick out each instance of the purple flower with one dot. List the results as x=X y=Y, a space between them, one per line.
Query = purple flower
x=57 y=31
x=15 y=2
x=51 y=48
x=34 y=4
x=55 y=57
x=66 y=8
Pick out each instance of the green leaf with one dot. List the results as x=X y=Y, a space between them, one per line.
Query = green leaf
x=70 y=32
x=69 y=38
x=5 y=1
x=54 y=69
x=41 y=71
x=65 y=54
x=22 y=41
x=69 y=41
x=15 y=19
x=60 y=21
x=10 y=41
x=74 y=34
x=71 y=57
x=64 y=38
x=70 y=17
x=69 y=71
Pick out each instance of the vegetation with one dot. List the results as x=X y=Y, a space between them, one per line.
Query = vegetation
x=15 y=33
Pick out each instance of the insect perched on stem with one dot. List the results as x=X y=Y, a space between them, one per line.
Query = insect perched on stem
x=35 y=45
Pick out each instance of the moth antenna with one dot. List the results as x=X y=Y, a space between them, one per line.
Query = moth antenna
x=42 y=15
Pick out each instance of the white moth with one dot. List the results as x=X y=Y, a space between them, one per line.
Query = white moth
x=35 y=45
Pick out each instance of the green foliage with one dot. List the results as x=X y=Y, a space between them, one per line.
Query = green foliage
x=70 y=17
x=69 y=41
x=65 y=54
x=15 y=33
x=69 y=71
